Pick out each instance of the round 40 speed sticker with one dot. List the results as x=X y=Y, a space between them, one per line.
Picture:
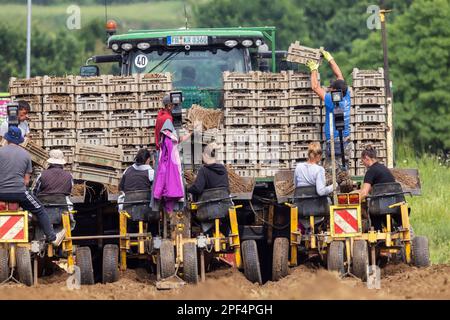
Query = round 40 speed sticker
x=141 y=61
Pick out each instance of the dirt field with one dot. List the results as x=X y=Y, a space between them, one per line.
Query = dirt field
x=398 y=282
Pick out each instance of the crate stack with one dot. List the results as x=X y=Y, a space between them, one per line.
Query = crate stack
x=58 y=114
x=97 y=163
x=30 y=90
x=256 y=139
x=124 y=117
x=152 y=88
x=305 y=116
x=91 y=100
x=368 y=115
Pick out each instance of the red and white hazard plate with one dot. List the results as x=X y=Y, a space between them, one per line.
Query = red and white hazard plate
x=13 y=228
x=345 y=221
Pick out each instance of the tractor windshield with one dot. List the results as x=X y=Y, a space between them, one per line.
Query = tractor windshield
x=193 y=68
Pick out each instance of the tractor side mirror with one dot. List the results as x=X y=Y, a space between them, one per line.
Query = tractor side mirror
x=89 y=71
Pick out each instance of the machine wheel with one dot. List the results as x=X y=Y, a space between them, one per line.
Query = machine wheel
x=84 y=262
x=280 y=260
x=4 y=264
x=335 y=260
x=250 y=258
x=360 y=259
x=190 y=263
x=420 y=251
x=110 y=266
x=24 y=266
x=167 y=259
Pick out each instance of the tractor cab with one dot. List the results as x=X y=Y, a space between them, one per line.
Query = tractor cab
x=196 y=58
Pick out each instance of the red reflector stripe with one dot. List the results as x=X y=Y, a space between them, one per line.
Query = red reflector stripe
x=11 y=222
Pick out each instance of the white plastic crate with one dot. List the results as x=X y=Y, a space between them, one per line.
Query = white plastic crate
x=303 y=98
x=59 y=120
x=58 y=85
x=59 y=138
x=92 y=120
x=95 y=137
x=305 y=133
x=61 y=103
x=300 y=80
x=240 y=81
x=368 y=78
x=91 y=102
x=123 y=84
x=155 y=82
x=365 y=118
x=272 y=81
x=91 y=85
x=368 y=96
x=32 y=86
x=240 y=99
x=273 y=99
x=301 y=54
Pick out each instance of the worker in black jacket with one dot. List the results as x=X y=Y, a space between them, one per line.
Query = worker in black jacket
x=211 y=175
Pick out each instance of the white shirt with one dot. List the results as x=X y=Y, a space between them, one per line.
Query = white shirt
x=23 y=126
x=307 y=174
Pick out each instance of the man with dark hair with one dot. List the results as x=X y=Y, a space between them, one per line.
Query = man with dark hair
x=139 y=176
x=15 y=171
x=376 y=172
x=24 y=109
x=325 y=95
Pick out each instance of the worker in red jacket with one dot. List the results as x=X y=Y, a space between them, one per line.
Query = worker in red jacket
x=163 y=115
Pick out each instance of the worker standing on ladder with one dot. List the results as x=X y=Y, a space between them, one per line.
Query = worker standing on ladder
x=325 y=95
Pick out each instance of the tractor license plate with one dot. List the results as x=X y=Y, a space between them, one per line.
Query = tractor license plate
x=187 y=40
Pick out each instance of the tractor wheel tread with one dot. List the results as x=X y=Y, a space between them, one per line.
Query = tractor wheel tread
x=252 y=269
x=110 y=266
x=280 y=263
x=190 y=263
x=4 y=264
x=335 y=259
x=84 y=262
x=24 y=266
x=360 y=259
x=420 y=251
x=167 y=258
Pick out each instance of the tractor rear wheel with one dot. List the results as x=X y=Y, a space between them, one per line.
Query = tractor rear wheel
x=4 y=264
x=360 y=259
x=84 y=262
x=24 y=266
x=110 y=266
x=252 y=269
x=190 y=263
x=335 y=259
x=420 y=251
x=167 y=259
x=280 y=260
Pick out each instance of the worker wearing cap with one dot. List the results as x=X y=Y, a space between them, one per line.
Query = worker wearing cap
x=15 y=173
x=54 y=180
x=325 y=95
x=24 y=109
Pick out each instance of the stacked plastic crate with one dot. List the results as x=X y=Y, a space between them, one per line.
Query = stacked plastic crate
x=305 y=116
x=273 y=122
x=125 y=116
x=152 y=88
x=368 y=116
x=92 y=110
x=97 y=163
x=256 y=141
x=240 y=138
x=58 y=116
x=30 y=90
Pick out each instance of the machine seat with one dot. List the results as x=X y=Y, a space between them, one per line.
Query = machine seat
x=140 y=211
x=216 y=203
x=309 y=203
x=382 y=196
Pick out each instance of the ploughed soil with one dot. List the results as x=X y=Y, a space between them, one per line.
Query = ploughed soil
x=304 y=282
